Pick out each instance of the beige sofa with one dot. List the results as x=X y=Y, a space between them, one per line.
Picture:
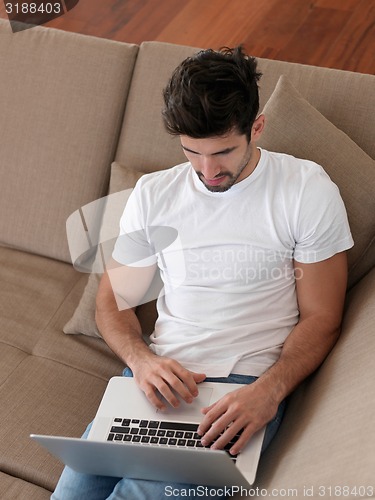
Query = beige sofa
x=71 y=106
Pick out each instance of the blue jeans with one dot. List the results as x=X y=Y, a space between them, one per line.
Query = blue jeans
x=76 y=486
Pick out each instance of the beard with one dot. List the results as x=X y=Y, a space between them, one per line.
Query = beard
x=231 y=178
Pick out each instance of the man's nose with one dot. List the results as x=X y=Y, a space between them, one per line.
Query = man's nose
x=210 y=167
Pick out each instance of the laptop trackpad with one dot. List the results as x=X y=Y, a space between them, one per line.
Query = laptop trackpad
x=194 y=408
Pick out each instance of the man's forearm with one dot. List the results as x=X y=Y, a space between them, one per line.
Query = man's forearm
x=155 y=375
x=320 y=294
x=121 y=330
x=304 y=350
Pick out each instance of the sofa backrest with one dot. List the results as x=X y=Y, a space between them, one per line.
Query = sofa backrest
x=343 y=98
x=144 y=145
x=62 y=98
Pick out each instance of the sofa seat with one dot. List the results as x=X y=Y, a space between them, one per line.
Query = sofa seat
x=12 y=488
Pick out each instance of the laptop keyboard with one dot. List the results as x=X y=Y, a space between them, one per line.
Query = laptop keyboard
x=159 y=433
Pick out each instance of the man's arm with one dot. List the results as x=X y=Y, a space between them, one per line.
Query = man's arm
x=121 y=289
x=320 y=293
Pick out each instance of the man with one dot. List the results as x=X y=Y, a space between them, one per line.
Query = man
x=254 y=282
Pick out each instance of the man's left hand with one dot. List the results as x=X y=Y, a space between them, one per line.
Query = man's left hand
x=249 y=408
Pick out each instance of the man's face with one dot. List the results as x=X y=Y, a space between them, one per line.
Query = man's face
x=221 y=161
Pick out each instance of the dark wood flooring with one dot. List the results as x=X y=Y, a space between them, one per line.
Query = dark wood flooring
x=332 y=33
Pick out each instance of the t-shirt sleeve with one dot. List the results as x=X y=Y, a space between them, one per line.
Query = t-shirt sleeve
x=322 y=227
x=133 y=246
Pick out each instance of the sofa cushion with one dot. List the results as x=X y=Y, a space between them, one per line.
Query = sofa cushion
x=33 y=289
x=327 y=436
x=43 y=397
x=62 y=98
x=12 y=487
x=49 y=382
x=144 y=143
x=295 y=127
x=86 y=354
x=345 y=98
x=37 y=297
x=122 y=180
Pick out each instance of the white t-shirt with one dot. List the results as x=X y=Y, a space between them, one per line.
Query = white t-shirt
x=226 y=259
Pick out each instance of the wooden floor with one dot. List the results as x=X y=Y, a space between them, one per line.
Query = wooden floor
x=332 y=33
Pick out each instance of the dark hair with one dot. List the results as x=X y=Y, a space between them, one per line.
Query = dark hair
x=212 y=93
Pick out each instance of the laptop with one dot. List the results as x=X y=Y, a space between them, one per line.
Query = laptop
x=130 y=438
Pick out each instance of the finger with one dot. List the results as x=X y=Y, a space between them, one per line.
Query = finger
x=179 y=387
x=212 y=413
x=206 y=409
x=192 y=380
x=189 y=380
x=150 y=393
x=218 y=427
x=199 y=377
x=165 y=390
x=227 y=436
x=242 y=441
x=184 y=383
x=215 y=430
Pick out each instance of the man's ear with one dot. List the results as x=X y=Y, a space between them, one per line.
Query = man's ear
x=258 y=127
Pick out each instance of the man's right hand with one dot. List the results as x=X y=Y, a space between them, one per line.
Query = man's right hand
x=161 y=376
x=156 y=375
